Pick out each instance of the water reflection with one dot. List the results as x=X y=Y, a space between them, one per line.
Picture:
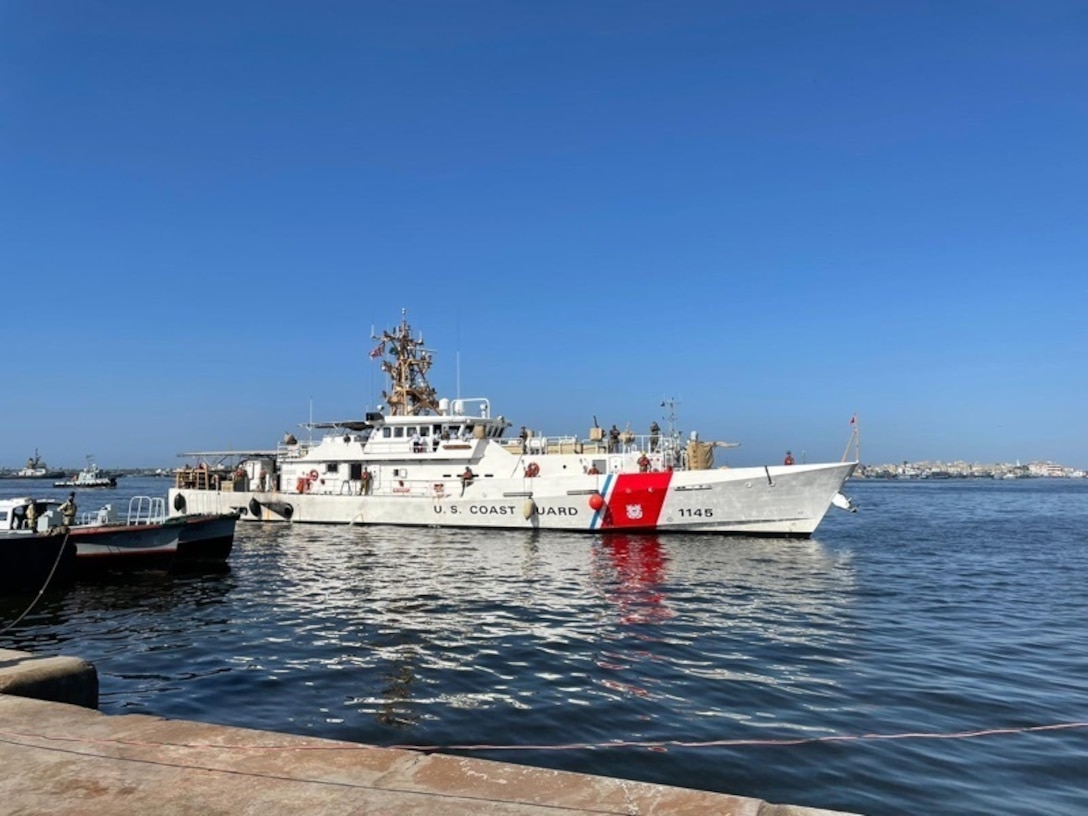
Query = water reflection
x=630 y=571
x=368 y=633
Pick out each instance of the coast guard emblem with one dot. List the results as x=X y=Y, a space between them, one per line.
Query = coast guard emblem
x=634 y=511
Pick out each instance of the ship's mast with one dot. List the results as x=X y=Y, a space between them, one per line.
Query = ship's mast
x=411 y=394
x=671 y=403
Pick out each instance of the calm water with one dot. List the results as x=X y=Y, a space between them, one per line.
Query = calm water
x=938 y=608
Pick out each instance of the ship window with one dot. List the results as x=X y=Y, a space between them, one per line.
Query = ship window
x=332 y=467
x=425 y=430
x=387 y=432
x=398 y=433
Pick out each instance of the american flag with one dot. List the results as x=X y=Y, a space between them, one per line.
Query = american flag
x=377 y=351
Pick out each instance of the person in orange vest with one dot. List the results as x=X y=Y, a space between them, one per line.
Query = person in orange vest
x=789 y=459
x=643 y=463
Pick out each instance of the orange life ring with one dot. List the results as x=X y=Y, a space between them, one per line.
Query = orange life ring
x=532 y=470
x=313 y=475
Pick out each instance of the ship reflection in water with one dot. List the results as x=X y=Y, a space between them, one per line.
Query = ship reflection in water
x=631 y=572
x=354 y=631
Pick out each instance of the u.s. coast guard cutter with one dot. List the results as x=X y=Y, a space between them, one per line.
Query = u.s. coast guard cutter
x=426 y=461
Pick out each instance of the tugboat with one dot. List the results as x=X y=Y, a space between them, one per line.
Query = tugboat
x=90 y=476
x=426 y=461
x=35 y=469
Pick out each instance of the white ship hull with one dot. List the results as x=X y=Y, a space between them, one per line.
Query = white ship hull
x=773 y=501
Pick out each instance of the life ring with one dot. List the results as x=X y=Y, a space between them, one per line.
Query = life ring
x=532 y=470
x=313 y=475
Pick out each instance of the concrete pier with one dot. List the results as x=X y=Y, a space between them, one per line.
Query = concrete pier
x=61 y=758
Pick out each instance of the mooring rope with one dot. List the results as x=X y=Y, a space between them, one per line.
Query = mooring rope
x=48 y=578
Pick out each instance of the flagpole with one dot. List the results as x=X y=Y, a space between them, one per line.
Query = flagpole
x=855 y=439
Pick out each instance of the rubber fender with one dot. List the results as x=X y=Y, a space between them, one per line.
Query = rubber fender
x=179 y=503
x=288 y=511
x=255 y=508
x=528 y=509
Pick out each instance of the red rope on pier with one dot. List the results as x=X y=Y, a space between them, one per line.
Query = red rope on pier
x=649 y=744
x=732 y=743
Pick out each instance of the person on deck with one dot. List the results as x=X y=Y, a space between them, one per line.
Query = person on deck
x=789 y=459
x=655 y=434
x=32 y=516
x=68 y=510
x=613 y=439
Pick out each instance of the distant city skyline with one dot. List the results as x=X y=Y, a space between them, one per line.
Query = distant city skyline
x=778 y=214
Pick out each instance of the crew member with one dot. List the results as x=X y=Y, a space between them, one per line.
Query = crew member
x=655 y=433
x=643 y=463
x=32 y=515
x=789 y=459
x=68 y=510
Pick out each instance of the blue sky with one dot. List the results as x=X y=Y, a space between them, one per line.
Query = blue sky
x=778 y=214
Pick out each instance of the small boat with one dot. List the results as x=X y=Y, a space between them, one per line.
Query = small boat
x=90 y=476
x=430 y=462
x=145 y=538
x=35 y=469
